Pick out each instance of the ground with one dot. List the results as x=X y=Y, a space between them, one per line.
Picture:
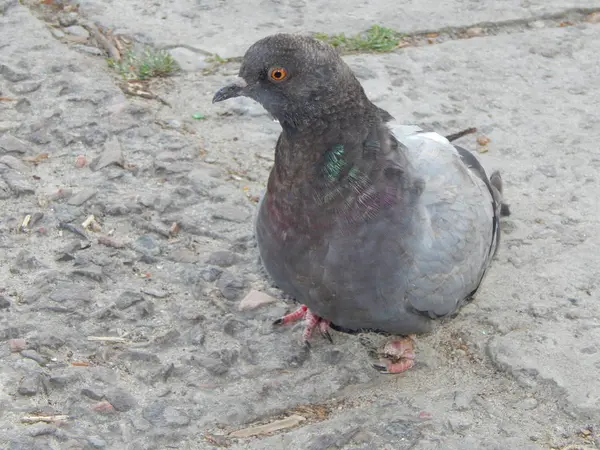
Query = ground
x=137 y=333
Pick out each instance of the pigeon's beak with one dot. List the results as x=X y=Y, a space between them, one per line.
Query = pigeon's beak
x=234 y=89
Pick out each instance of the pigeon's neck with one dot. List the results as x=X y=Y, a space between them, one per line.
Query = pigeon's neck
x=344 y=123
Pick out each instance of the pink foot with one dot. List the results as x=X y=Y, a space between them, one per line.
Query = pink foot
x=311 y=320
x=397 y=355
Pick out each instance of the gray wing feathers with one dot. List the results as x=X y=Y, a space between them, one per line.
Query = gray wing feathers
x=456 y=218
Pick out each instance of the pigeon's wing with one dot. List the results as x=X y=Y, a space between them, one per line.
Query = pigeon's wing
x=456 y=222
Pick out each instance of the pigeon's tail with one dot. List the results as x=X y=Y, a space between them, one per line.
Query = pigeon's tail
x=496 y=181
x=455 y=136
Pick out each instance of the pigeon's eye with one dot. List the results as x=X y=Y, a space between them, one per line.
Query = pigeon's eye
x=278 y=74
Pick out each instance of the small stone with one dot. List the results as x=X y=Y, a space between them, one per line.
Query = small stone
x=4 y=302
x=157 y=293
x=10 y=144
x=96 y=442
x=121 y=400
x=537 y=24
x=16 y=181
x=255 y=299
x=77 y=30
x=103 y=407
x=213 y=365
x=459 y=423
x=112 y=155
x=12 y=74
x=222 y=258
x=475 y=31
x=136 y=355
x=281 y=424
x=88 y=49
x=93 y=392
x=183 y=255
x=483 y=140
x=67 y=20
x=210 y=274
x=593 y=17
x=146 y=245
x=26 y=87
x=188 y=60
x=140 y=424
x=34 y=356
x=231 y=214
x=29 y=385
x=69 y=292
x=230 y=285
x=17 y=345
x=82 y=196
x=462 y=400
x=154 y=413
x=41 y=429
x=175 y=418
x=527 y=404
x=128 y=298
x=197 y=336
x=58 y=34
x=26 y=260
x=14 y=163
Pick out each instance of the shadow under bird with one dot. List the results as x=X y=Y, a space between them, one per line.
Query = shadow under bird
x=371 y=225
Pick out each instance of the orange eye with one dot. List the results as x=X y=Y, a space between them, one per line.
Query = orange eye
x=278 y=74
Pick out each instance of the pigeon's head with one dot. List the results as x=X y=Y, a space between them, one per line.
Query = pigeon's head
x=295 y=78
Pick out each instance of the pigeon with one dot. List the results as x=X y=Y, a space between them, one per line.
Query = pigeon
x=371 y=225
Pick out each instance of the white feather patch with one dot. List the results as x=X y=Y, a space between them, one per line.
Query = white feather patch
x=435 y=137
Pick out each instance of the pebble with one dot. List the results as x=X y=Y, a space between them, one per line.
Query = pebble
x=35 y=356
x=146 y=245
x=70 y=293
x=475 y=31
x=4 y=302
x=188 y=60
x=17 y=345
x=82 y=196
x=175 y=417
x=103 y=407
x=77 y=30
x=231 y=214
x=29 y=385
x=40 y=429
x=16 y=181
x=459 y=423
x=462 y=400
x=128 y=298
x=10 y=144
x=93 y=392
x=96 y=442
x=13 y=74
x=14 y=163
x=255 y=299
x=230 y=285
x=120 y=399
x=112 y=155
x=222 y=258
x=210 y=274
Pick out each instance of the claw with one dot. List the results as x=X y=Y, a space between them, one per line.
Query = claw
x=312 y=321
x=323 y=328
x=381 y=369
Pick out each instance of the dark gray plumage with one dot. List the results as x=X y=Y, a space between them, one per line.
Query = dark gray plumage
x=369 y=223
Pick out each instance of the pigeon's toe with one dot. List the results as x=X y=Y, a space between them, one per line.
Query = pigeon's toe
x=312 y=322
x=397 y=355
